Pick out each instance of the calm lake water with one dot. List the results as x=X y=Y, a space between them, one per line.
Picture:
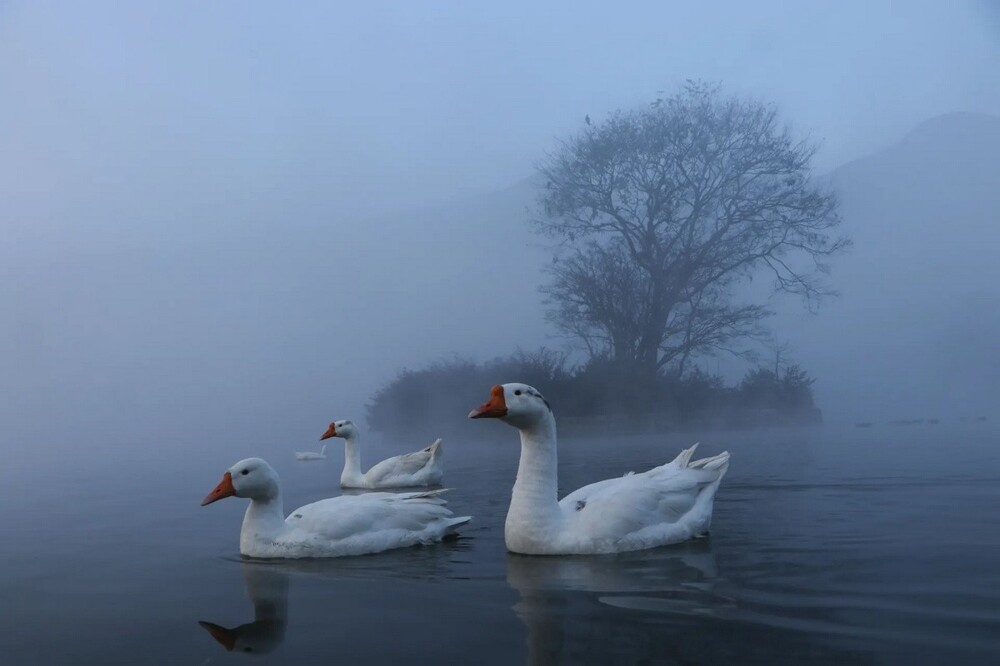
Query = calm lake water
x=849 y=546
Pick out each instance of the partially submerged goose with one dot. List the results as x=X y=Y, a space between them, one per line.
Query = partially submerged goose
x=311 y=455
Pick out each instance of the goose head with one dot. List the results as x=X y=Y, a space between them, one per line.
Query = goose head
x=519 y=405
x=252 y=478
x=343 y=429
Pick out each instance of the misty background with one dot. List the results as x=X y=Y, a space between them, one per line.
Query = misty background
x=238 y=221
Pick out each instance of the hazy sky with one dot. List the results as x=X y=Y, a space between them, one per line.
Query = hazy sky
x=184 y=185
x=370 y=106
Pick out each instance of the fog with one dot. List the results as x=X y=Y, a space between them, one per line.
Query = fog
x=239 y=220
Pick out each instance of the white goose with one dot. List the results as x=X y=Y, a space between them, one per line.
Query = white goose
x=311 y=455
x=346 y=525
x=411 y=470
x=664 y=505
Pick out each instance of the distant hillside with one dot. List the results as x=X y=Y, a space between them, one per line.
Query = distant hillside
x=198 y=315
x=276 y=319
x=915 y=332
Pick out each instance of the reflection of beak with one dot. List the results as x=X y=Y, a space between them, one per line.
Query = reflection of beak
x=493 y=408
x=225 y=637
x=223 y=490
x=330 y=432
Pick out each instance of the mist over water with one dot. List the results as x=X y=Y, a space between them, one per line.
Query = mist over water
x=827 y=544
x=222 y=227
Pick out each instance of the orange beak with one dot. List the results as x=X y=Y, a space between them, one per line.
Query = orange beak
x=493 y=408
x=225 y=637
x=330 y=432
x=223 y=490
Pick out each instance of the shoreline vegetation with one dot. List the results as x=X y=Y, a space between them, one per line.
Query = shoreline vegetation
x=598 y=396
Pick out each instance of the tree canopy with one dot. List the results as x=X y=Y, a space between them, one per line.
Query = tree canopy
x=661 y=212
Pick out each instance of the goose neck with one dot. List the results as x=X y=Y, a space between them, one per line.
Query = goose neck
x=265 y=517
x=352 y=459
x=535 y=495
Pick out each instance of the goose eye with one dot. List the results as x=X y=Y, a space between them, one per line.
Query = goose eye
x=517 y=392
x=245 y=472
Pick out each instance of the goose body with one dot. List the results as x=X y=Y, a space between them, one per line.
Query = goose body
x=311 y=455
x=667 y=504
x=412 y=470
x=334 y=527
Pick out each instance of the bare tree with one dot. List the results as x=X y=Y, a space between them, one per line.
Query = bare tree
x=663 y=211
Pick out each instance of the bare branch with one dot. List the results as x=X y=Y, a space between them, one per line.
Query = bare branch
x=665 y=210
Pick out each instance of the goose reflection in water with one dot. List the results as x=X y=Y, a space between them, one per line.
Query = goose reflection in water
x=266 y=583
x=678 y=580
x=267 y=587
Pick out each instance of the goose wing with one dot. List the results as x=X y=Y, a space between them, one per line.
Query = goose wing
x=663 y=496
x=371 y=516
x=398 y=467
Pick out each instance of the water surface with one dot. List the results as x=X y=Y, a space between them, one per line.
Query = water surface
x=879 y=545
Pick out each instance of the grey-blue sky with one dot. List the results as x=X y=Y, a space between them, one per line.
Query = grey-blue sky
x=364 y=107
x=185 y=184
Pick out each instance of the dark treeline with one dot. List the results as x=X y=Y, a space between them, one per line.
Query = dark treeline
x=441 y=394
